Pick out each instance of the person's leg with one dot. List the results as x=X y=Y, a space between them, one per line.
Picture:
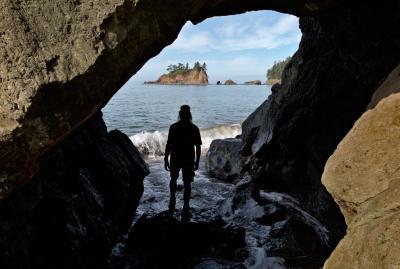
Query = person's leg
x=187 y=175
x=174 y=173
x=186 y=194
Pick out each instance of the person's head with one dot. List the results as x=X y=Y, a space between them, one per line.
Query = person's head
x=184 y=113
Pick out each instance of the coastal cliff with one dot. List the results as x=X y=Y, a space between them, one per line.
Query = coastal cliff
x=186 y=77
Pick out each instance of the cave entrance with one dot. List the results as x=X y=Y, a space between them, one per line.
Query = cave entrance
x=235 y=52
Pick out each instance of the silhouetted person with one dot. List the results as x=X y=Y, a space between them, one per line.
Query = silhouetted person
x=183 y=139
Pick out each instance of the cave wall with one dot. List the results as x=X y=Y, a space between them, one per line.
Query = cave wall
x=343 y=57
x=77 y=206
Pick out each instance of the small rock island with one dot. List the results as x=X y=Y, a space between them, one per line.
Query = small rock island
x=253 y=82
x=181 y=74
x=230 y=82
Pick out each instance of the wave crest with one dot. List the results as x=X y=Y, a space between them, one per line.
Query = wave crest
x=152 y=144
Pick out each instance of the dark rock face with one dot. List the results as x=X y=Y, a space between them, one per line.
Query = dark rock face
x=343 y=56
x=76 y=207
x=294 y=235
x=297 y=243
x=166 y=241
x=223 y=158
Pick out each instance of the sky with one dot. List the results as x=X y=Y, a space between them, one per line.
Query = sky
x=239 y=47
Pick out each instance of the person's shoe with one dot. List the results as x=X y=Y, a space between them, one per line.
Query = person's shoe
x=186 y=213
x=171 y=206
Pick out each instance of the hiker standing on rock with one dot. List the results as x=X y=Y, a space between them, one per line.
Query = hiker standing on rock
x=183 y=142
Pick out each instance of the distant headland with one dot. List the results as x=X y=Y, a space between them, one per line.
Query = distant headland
x=181 y=74
x=274 y=74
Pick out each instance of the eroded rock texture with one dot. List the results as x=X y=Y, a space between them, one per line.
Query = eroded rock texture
x=364 y=178
x=343 y=57
x=61 y=62
x=75 y=208
x=223 y=159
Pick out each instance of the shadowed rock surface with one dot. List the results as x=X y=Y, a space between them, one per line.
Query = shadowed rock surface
x=343 y=57
x=78 y=204
x=166 y=241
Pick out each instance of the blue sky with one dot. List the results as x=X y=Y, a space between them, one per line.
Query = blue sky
x=240 y=47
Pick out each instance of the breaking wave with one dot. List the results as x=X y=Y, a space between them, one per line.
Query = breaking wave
x=152 y=144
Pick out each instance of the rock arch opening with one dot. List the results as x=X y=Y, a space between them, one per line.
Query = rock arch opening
x=145 y=112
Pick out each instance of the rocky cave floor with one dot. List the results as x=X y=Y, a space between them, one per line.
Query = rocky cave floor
x=227 y=229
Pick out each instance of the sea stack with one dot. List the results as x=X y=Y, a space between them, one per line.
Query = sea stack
x=253 y=82
x=229 y=82
x=195 y=76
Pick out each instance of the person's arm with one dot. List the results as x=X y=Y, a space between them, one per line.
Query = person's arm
x=167 y=151
x=198 y=153
x=198 y=149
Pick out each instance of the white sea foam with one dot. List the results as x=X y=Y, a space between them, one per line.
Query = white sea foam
x=152 y=144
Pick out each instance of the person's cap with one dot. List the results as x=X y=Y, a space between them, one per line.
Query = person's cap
x=185 y=108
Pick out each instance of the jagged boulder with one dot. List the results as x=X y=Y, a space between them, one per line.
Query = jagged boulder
x=77 y=206
x=364 y=178
x=223 y=158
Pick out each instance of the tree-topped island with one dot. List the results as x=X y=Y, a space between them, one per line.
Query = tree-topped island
x=182 y=74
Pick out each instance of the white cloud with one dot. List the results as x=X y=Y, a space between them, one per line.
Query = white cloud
x=192 y=41
x=259 y=35
x=240 y=35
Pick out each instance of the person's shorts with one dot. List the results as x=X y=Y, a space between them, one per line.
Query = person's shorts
x=187 y=172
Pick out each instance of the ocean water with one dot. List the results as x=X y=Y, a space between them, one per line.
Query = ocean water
x=145 y=112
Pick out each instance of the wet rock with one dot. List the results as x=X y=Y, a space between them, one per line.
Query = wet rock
x=164 y=240
x=363 y=177
x=223 y=159
x=295 y=236
x=243 y=193
x=273 y=213
x=297 y=243
x=77 y=206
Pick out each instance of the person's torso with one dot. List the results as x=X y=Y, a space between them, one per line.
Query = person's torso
x=183 y=140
